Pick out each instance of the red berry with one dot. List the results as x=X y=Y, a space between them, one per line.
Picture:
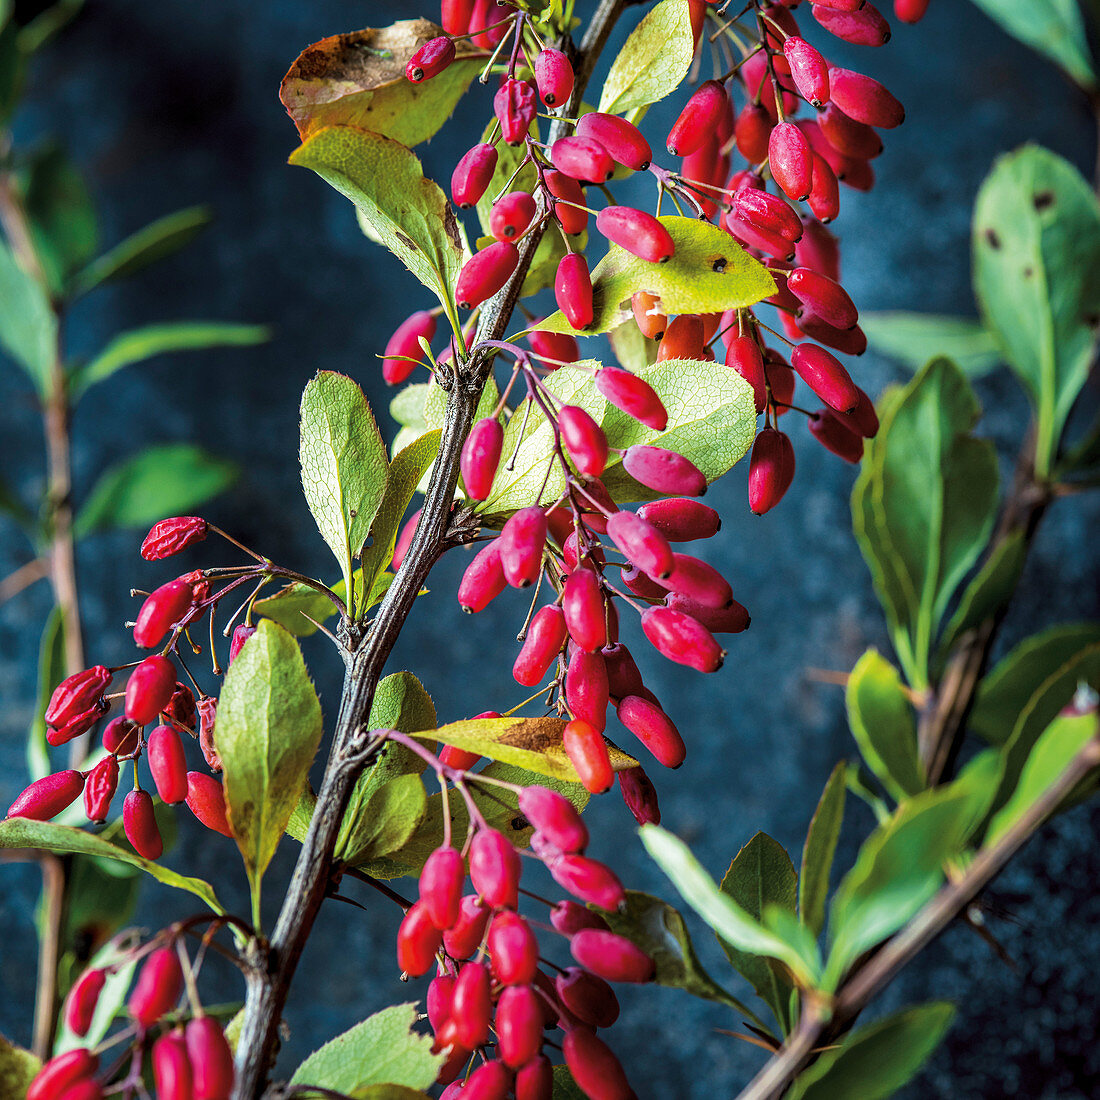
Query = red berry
x=515 y=107
x=752 y=131
x=824 y=198
x=623 y=677
x=862 y=418
x=836 y=436
x=521 y=546
x=168 y=763
x=584 y=608
x=643 y=544
x=483 y=579
x=76 y=694
x=768 y=212
x=554 y=77
x=771 y=470
x=654 y=729
x=556 y=347
x=623 y=140
x=682 y=639
x=99 y=789
x=683 y=339
x=418 y=939
x=587 y=997
x=584 y=440
x=431 y=59
x=826 y=298
x=158 y=987
x=211 y=1059
x=61 y=1072
x=851 y=138
x=172 y=1067
x=587 y=752
x=638 y=232
x=581 y=158
x=567 y=917
x=640 y=796
x=120 y=736
x=732 y=619
x=586 y=691
x=569 y=212
x=455 y=15
x=494 y=868
x=82 y=1000
x=206 y=800
x=650 y=320
x=611 y=956
x=140 y=825
x=481 y=456
x=633 y=395
x=698 y=119
x=863 y=27
x=511 y=215
x=472 y=1005
x=149 y=689
x=595 y=1069
x=589 y=879
x=485 y=273
x=535 y=1081
x=826 y=376
x=463 y=938
x=555 y=817
x=663 y=470
x=809 y=70
x=573 y=290
x=773 y=244
x=699 y=581
x=519 y=1025
x=851 y=341
x=241 y=634
x=472 y=175
x=403 y=350
x=513 y=947
x=681 y=519
x=791 y=160
x=546 y=635
x=48 y=796
x=490 y=1081
x=439 y=1000
x=910 y=11
x=743 y=354
x=441 y=882
x=170 y=536
x=865 y=99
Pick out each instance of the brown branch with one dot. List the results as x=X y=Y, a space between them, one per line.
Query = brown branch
x=353 y=749
x=23 y=577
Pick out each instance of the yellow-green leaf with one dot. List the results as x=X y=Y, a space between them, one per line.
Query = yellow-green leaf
x=18 y=1068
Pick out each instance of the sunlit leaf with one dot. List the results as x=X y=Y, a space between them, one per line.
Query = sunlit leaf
x=653 y=61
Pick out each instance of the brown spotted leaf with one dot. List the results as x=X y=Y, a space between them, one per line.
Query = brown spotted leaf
x=358 y=79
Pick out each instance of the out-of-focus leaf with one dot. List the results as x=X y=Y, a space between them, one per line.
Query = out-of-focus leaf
x=15 y=508
x=38 y=32
x=18 y=1068
x=709 y=273
x=565 y=1088
x=877 y=1060
x=1054 y=28
x=633 y=351
x=660 y=931
x=51 y=671
x=819 y=849
x=881 y=719
x=28 y=326
x=168 y=480
x=21 y=832
x=1036 y=245
x=151 y=340
x=157 y=240
x=110 y=1004
x=914 y=338
x=383 y=1049
x=762 y=875
x=269 y=728
x=344 y=465
x=733 y=924
x=653 y=61
x=408 y=212
x=358 y=79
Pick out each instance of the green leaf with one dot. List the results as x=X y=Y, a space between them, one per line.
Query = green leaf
x=151 y=340
x=924 y=506
x=408 y=212
x=819 y=849
x=388 y=1092
x=344 y=467
x=385 y=822
x=407 y=407
x=157 y=240
x=290 y=606
x=28 y=326
x=762 y=875
x=1036 y=245
x=1043 y=663
x=11 y=504
x=732 y=923
x=41 y=29
x=989 y=593
x=1052 y=753
x=383 y=1049
x=711 y=422
x=20 y=832
x=358 y=79
x=269 y=728
x=882 y=722
x=633 y=351
x=914 y=338
x=18 y=1067
x=877 y=1060
x=498 y=806
x=898 y=869
x=167 y=480
x=407 y=468
x=708 y=274
x=653 y=61
x=530 y=743
x=60 y=214
x=660 y=931
x=435 y=403
x=51 y=671
x=1053 y=28
x=110 y=1003
x=565 y=1088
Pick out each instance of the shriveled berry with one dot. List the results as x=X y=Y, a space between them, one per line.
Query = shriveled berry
x=472 y=1005
x=81 y=1003
x=206 y=800
x=181 y=708
x=519 y=1025
x=483 y=579
x=584 y=440
x=866 y=100
x=172 y=1067
x=581 y=158
x=515 y=108
x=545 y=637
x=76 y=694
x=594 y=1067
x=587 y=752
x=623 y=140
x=649 y=723
x=61 y=1072
x=511 y=215
x=211 y=1059
x=554 y=77
x=48 y=796
x=663 y=470
x=589 y=879
x=573 y=290
x=698 y=120
x=170 y=536
x=403 y=350
x=485 y=273
x=463 y=938
x=570 y=210
x=554 y=816
x=633 y=395
x=481 y=456
x=140 y=825
x=682 y=639
x=418 y=939
x=611 y=956
x=587 y=997
x=638 y=232
x=494 y=868
x=771 y=470
x=640 y=796
x=521 y=545
x=441 y=880
x=648 y=317
x=99 y=789
x=586 y=691
x=472 y=175
x=158 y=987
x=791 y=160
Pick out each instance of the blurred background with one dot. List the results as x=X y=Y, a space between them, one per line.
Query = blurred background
x=169 y=104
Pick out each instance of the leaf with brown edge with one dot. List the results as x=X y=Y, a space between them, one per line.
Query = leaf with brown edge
x=531 y=743
x=358 y=79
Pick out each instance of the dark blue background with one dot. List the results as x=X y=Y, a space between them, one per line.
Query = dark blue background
x=173 y=103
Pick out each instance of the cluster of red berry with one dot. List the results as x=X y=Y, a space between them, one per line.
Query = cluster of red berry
x=190 y=1061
